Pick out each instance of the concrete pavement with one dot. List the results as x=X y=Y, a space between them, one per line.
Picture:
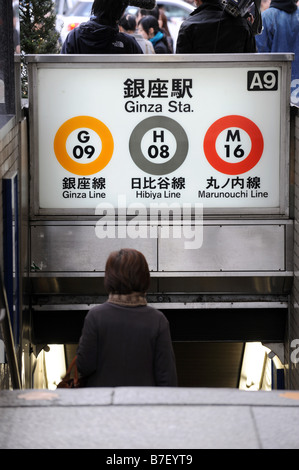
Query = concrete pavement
x=149 y=418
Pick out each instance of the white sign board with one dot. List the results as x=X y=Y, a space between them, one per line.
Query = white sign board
x=138 y=135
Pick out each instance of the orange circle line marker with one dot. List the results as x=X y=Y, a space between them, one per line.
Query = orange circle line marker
x=83 y=168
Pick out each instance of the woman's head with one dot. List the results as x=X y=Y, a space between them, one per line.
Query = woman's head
x=127 y=23
x=163 y=22
x=126 y=272
x=110 y=10
x=148 y=26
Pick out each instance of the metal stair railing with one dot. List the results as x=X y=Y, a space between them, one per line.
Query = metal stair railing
x=7 y=336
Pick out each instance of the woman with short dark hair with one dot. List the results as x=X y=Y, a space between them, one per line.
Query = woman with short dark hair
x=125 y=342
x=126 y=272
x=149 y=29
x=128 y=24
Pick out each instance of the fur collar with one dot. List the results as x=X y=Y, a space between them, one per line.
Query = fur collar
x=134 y=299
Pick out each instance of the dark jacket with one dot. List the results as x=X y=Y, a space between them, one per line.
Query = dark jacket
x=160 y=44
x=281 y=31
x=209 y=29
x=93 y=37
x=126 y=346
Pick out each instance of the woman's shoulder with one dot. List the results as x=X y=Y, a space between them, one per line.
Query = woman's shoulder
x=98 y=309
x=130 y=43
x=153 y=311
x=161 y=47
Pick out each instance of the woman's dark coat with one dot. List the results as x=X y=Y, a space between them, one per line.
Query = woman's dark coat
x=126 y=346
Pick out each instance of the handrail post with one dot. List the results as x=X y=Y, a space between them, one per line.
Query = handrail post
x=7 y=336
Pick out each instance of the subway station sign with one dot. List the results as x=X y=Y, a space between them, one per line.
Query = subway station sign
x=146 y=131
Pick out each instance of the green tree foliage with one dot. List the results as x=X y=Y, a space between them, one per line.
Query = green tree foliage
x=38 y=33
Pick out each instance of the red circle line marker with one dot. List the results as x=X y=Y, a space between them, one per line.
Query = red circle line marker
x=257 y=145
